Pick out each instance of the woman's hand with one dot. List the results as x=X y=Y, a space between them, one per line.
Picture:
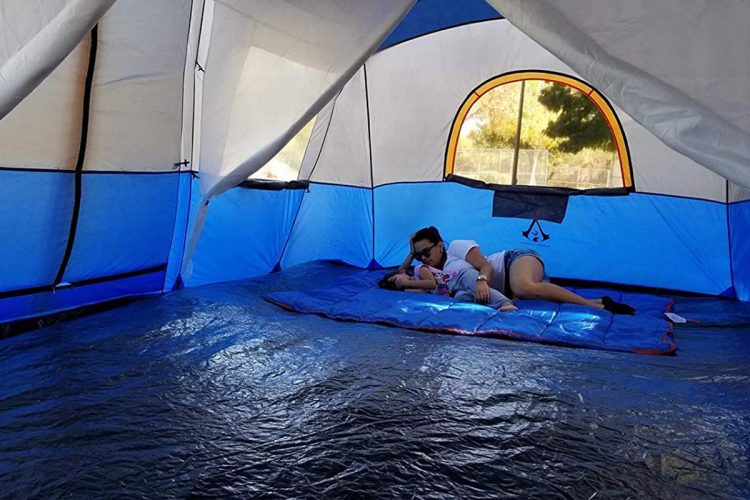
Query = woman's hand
x=481 y=292
x=508 y=307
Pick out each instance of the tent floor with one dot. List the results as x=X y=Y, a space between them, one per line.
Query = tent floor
x=212 y=391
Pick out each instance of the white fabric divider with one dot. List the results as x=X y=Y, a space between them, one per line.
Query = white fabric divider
x=681 y=69
x=343 y=137
x=272 y=66
x=37 y=37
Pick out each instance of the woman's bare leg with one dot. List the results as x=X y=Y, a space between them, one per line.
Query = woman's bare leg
x=526 y=275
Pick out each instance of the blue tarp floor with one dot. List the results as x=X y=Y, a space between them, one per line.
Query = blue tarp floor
x=358 y=298
x=213 y=391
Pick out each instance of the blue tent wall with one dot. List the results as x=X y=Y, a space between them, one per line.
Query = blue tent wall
x=248 y=232
x=244 y=233
x=121 y=245
x=739 y=219
x=179 y=233
x=125 y=224
x=639 y=239
x=334 y=222
x=34 y=223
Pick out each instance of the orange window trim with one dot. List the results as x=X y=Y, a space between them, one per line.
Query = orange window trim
x=599 y=101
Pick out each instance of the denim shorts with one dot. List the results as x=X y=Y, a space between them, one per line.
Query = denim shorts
x=513 y=255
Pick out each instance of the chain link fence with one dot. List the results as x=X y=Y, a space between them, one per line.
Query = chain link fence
x=535 y=168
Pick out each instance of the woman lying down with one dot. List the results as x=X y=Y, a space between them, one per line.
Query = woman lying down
x=462 y=271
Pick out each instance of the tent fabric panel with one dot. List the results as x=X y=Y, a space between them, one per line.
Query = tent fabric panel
x=317 y=138
x=739 y=223
x=44 y=130
x=273 y=65
x=335 y=223
x=65 y=299
x=345 y=154
x=190 y=83
x=696 y=103
x=659 y=169
x=36 y=38
x=244 y=234
x=137 y=95
x=428 y=16
x=410 y=132
x=656 y=241
x=34 y=225
x=738 y=193
x=646 y=240
x=22 y=21
x=179 y=234
x=125 y=224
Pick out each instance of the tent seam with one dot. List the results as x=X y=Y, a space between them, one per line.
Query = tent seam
x=192 y=139
x=369 y=151
x=729 y=238
x=88 y=85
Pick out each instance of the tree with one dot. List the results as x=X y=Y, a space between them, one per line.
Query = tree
x=579 y=124
x=496 y=114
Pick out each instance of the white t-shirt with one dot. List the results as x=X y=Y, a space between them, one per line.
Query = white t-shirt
x=456 y=261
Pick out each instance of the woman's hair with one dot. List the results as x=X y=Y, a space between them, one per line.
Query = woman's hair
x=430 y=234
x=387 y=282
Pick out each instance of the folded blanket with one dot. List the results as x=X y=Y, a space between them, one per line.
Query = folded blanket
x=359 y=299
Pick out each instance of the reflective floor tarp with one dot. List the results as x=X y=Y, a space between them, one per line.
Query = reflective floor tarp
x=212 y=391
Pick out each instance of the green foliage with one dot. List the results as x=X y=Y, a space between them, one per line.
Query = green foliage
x=496 y=114
x=555 y=117
x=579 y=123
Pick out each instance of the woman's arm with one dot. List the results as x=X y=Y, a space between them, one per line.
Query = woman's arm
x=482 y=287
x=406 y=264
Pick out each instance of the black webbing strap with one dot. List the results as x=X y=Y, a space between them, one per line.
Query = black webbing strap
x=81 y=156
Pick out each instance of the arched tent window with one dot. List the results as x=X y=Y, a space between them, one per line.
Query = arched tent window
x=539 y=129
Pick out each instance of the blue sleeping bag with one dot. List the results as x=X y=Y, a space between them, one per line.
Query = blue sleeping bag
x=359 y=299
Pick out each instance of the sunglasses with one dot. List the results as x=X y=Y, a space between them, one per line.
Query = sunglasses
x=424 y=253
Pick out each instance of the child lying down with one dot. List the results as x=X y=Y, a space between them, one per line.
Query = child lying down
x=428 y=279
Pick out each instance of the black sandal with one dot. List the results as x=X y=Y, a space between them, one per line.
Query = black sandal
x=617 y=307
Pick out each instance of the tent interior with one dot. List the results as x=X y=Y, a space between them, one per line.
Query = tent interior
x=210 y=151
x=150 y=191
